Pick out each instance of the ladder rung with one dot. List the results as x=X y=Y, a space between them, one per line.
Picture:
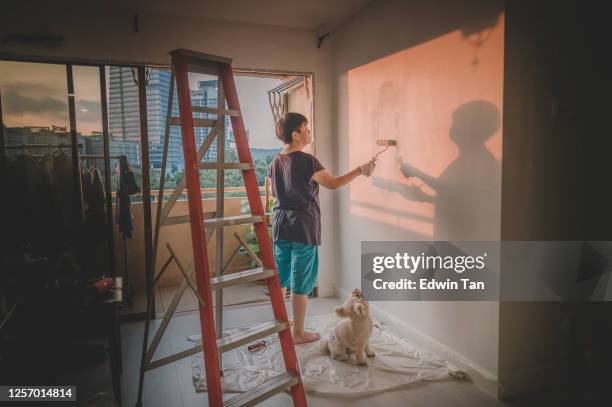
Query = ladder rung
x=175 y=121
x=225 y=166
x=173 y=358
x=249 y=335
x=180 y=219
x=223 y=112
x=263 y=391
x=241 y=277
x=232 y=220
x=225 y=343
x=215 y=222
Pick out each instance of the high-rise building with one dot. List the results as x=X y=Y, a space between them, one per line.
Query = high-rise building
x=158 y=91
x=124 y=117
x=206 y=95
x=124 y=113
x=123 y=108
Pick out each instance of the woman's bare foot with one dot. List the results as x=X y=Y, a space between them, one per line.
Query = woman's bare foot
x=305 y=337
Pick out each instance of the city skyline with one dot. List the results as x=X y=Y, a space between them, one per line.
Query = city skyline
x=35 y=95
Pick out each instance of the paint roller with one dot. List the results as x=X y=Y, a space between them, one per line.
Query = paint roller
x=386 y=143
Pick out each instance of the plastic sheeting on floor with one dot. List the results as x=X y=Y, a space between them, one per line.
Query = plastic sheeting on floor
x=397 y=364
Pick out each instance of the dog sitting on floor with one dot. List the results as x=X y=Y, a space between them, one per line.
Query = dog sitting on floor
x=352 y=334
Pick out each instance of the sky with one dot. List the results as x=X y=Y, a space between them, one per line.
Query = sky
x=253 y=97
x=35 y=94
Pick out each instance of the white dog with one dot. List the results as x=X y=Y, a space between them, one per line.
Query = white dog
x=353 y=333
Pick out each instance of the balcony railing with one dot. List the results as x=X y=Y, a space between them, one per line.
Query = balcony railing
x=203 y=192
x=240 y=192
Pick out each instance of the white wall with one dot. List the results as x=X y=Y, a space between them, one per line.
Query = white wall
x=107 y=35
x=377 y=39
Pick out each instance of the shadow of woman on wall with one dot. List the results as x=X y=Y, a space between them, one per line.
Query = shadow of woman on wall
x=467 y=195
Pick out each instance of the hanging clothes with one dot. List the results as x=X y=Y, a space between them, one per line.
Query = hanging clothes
x=63 y=193
x=40 y=204
x=92 y=245
x=21 y=202
x=93 y=189
x=85 y=185
x=126 y=186
x=93 y=228
x=44 y=228
x=97 y=200
x=43 y=218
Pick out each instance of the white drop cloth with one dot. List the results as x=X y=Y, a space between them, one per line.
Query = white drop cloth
x=397 y=364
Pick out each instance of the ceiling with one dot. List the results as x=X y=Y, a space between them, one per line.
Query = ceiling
x=303 y=14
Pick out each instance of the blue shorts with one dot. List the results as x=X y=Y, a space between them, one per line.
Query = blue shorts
x=297 y=265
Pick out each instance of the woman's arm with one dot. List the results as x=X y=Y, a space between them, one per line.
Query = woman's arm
x=410 y=171
x=324 y=178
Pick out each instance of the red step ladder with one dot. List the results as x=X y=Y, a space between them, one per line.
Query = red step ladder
x=183 y=62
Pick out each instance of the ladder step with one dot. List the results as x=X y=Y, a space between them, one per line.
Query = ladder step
x=223 y=112
x=241 y=277
x=215 y=222
x=249 y=335
x=232 y=220
x=225 y=343
x=175 y=121
x=263 y=391
x=225 y=166
x=180 y=219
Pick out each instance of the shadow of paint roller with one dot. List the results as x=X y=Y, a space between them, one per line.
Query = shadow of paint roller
x=384 y=142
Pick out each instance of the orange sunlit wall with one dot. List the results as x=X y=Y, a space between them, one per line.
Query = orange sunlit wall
x=442 y=101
